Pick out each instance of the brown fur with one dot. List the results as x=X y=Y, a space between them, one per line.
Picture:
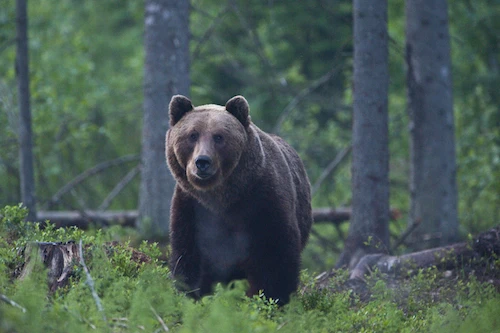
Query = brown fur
x=248 y=214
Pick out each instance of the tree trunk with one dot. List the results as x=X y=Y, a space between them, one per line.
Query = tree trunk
x=368 y=231
x=166 y=73
x=430 y=105
x=25 y=133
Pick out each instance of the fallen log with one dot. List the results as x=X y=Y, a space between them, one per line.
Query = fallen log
x=487 y=244
x=127 y=218
x=473 y=256
x=82 y=219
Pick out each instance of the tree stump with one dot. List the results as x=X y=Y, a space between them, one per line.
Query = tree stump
x=58 y=257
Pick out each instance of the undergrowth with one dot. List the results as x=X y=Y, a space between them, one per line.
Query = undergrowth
x=139 y=296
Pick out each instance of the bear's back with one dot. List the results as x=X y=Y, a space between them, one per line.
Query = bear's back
x=301 y=185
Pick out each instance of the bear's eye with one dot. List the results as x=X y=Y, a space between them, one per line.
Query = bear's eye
x=193 y=136
x=218 y=138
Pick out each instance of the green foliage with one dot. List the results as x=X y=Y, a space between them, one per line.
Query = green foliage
x=228 y=311
x=84 y=58
x=13 y=225
x=477 y=105
x=138 y=297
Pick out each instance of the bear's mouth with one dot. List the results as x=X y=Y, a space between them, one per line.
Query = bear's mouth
x=204 y=175
x=203 y=180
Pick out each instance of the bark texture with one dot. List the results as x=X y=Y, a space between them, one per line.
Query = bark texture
x=25 y=133
x=368 y=231
x=166 y=73
x=430 y=105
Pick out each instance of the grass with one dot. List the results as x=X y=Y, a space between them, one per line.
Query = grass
x=139 y=296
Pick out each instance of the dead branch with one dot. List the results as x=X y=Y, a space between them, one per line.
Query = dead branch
x=208 y=33
x=330 y=168
x=341 y=214
x=88 y=173
x=160 y=320
x=335 y=216
x=301 y=95
x=259 y=46
x=119 y=187
x=405 y=235
x=326 y=243
x=90 y=283
x=7 y=44
x=340 y=232
x=11 y=302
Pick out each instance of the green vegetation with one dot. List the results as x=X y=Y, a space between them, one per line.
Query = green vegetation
x=140 y=297
x=86 y=63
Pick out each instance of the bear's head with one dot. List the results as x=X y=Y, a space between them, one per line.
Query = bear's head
x=204 y=144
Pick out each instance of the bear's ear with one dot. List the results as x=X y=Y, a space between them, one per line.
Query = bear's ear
x=238 y=107
x=179 y=106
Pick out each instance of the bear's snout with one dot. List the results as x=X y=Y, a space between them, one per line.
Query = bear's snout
x=203 y=163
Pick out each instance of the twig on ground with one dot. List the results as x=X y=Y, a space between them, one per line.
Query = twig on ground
x=162 y=323
x=11 y=302
x=90 y=283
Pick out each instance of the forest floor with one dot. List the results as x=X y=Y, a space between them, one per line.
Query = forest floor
x=96 y=284
x=435 y=284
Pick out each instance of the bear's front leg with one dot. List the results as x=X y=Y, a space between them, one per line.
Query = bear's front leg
x=274 y=267
x=277 y=280
x=185 y=257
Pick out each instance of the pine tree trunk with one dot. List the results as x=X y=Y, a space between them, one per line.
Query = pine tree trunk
x=432 y=147
x=25 y=132
x=368 y=231
x=166 y=73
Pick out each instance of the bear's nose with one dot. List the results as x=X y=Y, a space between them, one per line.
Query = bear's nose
x=203 y=162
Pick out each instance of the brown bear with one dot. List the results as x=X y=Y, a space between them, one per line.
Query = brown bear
x=242 y=202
